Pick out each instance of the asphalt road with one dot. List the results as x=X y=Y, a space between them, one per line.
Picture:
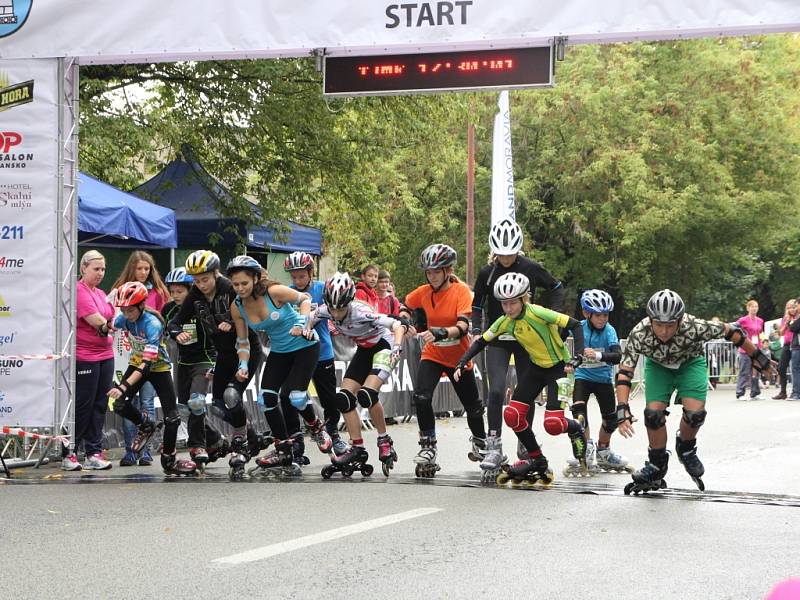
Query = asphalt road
x=131 y=533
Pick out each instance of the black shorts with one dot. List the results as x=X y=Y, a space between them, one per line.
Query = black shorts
x=361 y=366
x=604 y=392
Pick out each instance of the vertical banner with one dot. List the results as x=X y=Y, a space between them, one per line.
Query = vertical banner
x=28 y=238
x=503 y=205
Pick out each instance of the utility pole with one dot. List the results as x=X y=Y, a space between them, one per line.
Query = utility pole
x=470 y=204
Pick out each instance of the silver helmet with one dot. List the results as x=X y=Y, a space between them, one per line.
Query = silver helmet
x=511 y=286
x=505 y=238
x=665 y=306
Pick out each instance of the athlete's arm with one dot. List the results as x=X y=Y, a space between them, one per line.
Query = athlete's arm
x=242 y=343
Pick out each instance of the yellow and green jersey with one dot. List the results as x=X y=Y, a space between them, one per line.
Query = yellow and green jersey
x=536 y=330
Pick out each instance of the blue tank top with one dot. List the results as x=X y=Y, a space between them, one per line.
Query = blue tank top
x=325 y=346
x=277 y=325
x=597 y=371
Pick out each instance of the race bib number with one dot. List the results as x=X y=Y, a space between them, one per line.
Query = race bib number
x=382 y=360
x=191 y=329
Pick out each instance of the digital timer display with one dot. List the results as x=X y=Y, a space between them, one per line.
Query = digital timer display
x=440 y=71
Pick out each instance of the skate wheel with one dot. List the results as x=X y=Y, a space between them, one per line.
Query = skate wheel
x=367 y=470
x=348 y=470
x=502 y=479
x=628 y=489
x=327 y=471
x=235 y=475
x=700 y=485
x=417 y=471
x=386 y=467
x=473 y=457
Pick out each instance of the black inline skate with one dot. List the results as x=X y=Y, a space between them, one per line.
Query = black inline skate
x=143 y=434
x=278 y=463
x=386 y=454
x=651 y=476
x=218 y=450
x=256 y=442
x=687 y=455
x=240 y=456
x=426 y=458
x=579 y=468
x=355 y=459
x=299 y=450
x=529 y=471
x=173 y=466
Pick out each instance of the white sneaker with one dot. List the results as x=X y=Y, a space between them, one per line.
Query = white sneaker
x=756 y=397
x=96 y=462
x=70 y=463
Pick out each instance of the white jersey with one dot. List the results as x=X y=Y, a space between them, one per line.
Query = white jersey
x=364 y=326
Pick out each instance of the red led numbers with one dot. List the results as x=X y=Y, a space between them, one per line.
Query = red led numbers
x=409 y=73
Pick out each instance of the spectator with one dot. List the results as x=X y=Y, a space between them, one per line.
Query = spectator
x=786 y=351
x=794 y=327
x=388 y=304
x=713 y=362
x=365 y=289
x=142 y=268
x=752 y=325
x=95 y=365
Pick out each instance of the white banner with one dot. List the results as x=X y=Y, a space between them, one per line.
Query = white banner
x=503 y=205
x=28 y=207
x=102 y=31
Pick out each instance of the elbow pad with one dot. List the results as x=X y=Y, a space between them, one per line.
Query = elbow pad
x=736 y=335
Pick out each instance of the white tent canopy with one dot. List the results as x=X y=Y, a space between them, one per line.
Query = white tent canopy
x=110 y=31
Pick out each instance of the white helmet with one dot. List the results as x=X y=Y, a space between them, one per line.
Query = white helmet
x=665 y=306
x=596 y=301
x=511 y=286
x=339 y=291
x=505 y=238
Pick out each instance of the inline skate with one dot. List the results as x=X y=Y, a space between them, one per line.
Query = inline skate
x=478 y=450
x=355 y=459
x=529 y=471
x=239 y=458
x=173 y=466
x=573 y=468
x=199 y=457
x=493 y=460
x=611 y=462
x=386 y=454
x=651 y=476
x=218 y=450
x=687 y=455
x=299 y=450
x=426 y=458
x=321 y=437
x=278 y=463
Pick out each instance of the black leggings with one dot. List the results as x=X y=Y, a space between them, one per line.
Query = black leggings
x=604 y=392
x=783 y=365
x=466 y=389
x=224 y=373
x=191 y=379
x=324 y=379
x=165 y=389
x=531 y=384
x=284 y=373
x=498 y=357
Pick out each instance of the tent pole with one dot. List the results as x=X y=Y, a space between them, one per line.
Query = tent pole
x=171 y=258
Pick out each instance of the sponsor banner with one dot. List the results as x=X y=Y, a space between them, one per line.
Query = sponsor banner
x=28 y=236
x=503 y=199
x=101 y=31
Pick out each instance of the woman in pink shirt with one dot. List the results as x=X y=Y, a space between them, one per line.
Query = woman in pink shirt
x=95 y=365
x=753 y=326
x=142 y=268
x=789 y=314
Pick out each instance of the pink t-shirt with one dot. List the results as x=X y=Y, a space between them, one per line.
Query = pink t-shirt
x=89 y=346
x=752 y=326
x=154 y=300
x=789 y=334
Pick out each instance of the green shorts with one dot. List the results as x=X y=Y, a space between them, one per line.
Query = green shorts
x=690 y=379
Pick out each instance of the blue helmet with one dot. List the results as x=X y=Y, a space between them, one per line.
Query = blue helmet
x=596 y=301
x=179 y=275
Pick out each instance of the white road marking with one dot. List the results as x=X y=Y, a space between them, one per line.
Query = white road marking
x=321 y=537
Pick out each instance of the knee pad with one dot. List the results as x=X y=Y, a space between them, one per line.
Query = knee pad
x=555 y=423
x=345 y=400
x=299 y=399
x=269 y=399
x=610 y=422
x=694 y=418
x=579 y=412
x=421 y=400
x=655 y=419
x=231 y=396
x=367 y=397
x=515 y=415
x=197 y=404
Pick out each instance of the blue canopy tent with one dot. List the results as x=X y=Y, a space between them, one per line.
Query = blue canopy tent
x=112 y=218
x=186 y=187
